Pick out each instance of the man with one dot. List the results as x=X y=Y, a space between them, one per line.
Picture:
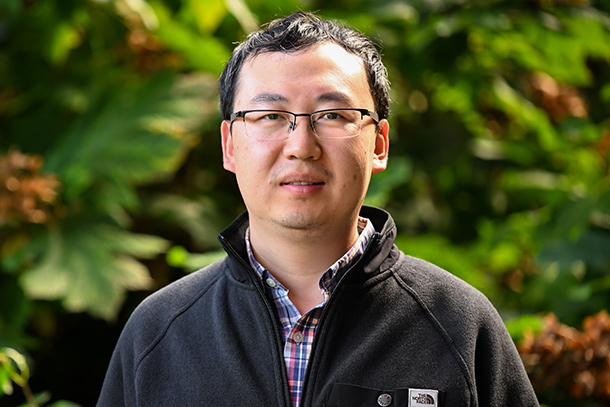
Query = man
x=314 y=305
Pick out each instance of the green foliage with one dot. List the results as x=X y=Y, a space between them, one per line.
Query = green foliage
x=89 y=265
x=178 y=256
x=98 y=101
x=137 y=136
x=111 y=179
x=13 y=369
x=520 y=326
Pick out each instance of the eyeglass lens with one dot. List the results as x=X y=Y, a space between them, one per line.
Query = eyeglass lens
x=279 y=125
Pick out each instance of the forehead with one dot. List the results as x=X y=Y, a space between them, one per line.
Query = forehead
x=325 y=68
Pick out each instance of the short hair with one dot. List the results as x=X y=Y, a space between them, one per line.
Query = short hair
x=299 y=31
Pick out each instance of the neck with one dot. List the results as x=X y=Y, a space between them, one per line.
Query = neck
x=298 y=258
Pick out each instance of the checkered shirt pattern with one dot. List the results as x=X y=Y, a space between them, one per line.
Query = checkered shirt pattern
x=298 y=330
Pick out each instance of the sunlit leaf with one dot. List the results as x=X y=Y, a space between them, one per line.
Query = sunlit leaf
x=522 y=110
x=207 y=13
x=140 y=136
x=178 y=256
x=89 y=267
x=518 y=327
x=241 y=12
x=534 y=179
x=13 y=369
x=64 y=403
x=202 y=52
x=65 y=38
x=142 y=9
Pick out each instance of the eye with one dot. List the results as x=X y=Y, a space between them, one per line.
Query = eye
x=331 y=116
x=265 y=116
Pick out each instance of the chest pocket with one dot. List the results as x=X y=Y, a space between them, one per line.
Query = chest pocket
x=349 y=395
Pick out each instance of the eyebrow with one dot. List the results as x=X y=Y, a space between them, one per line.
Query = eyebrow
x=334 y=97
x=325 y=97
x=268 y=98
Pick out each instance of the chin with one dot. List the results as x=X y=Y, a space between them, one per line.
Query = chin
x=300 y=221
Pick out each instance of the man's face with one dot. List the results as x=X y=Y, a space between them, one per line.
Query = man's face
x=304 y=182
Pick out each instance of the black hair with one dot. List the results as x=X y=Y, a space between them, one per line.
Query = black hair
x=299 y=31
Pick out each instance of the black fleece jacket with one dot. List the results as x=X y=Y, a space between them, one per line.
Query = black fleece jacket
x=393 y=324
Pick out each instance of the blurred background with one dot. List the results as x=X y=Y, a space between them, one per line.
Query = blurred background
x=111 y=182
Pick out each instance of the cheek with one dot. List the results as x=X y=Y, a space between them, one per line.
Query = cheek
x=253 y=163
x=361 y=158
x=357 y=167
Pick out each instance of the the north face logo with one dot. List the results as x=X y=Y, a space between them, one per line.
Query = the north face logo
x=424 y=399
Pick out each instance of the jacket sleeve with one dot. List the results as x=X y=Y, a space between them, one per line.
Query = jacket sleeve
x=123 y=385
x=500 y=377
x=119 y=384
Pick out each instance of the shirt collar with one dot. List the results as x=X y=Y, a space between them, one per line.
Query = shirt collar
x=331 y=277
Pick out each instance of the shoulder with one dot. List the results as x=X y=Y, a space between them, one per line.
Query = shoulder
x=437 y=287
x=153 y=316
x=183 y=291
x=458 y=309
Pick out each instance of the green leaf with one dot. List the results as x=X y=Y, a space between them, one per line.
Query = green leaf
x=13 y=368
x=178 y=256
x=532 y=179
x=605 y=93
x=523 y=111
x=202 y=52
x=65 y=37
x=246 y=19
x=64 y=403
x=6 y=384
x=518 y=327
x=89 y=266
x=140 y=135
x=144 y=11
x=591 y=32
x=208 y=14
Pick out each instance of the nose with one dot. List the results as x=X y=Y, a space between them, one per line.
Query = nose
x=302 y=143
x=293 y=124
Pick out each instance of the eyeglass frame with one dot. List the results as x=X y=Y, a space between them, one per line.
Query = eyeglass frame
x=363 y=112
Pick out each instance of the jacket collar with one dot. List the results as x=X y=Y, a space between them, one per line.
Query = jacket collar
x=378 y=251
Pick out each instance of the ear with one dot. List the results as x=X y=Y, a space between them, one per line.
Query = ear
x=228 y=158
x=382 y=146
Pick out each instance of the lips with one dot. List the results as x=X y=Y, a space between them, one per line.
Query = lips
x=301 y=183
x=302 y=188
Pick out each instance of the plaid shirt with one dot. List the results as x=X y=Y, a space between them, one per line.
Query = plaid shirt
x=299 y=330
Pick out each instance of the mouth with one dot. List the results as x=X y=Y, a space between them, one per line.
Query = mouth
x=302 y=183
x=302 y=188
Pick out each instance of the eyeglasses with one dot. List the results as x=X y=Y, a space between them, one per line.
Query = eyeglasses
x=279 y=124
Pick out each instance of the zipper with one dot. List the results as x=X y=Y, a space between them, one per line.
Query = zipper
x=323 y=315
x=270 y=313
